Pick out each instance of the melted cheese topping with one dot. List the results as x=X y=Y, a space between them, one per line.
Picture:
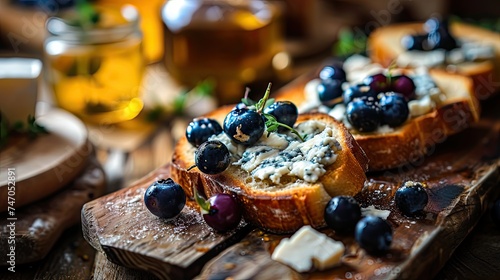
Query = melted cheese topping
x=277 y=155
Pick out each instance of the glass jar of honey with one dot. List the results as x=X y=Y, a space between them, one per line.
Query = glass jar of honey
x=233 y=42
x=95 y=67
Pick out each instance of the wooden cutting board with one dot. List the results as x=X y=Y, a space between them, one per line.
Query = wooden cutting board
x=462 y=175
x=39 y=225
x=43 y=165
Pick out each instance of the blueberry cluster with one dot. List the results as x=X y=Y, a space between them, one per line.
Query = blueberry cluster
x=332 y=77
x=244 y=125
x=437 y=36
x=379 y=100
x=374 y=234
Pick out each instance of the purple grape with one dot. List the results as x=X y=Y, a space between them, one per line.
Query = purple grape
x=405 y=86
x=224 y=213
x=378 y=82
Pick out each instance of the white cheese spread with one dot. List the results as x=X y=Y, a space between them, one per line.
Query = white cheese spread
x=276 y=155
x=467 y=52
x=308 y=248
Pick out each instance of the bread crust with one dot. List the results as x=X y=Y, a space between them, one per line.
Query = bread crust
x=384 y=46
x=414 y=140
x=287 y=209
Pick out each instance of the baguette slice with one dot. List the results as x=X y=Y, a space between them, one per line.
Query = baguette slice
x=410 y=143
x=279 y=208
x=384 y=46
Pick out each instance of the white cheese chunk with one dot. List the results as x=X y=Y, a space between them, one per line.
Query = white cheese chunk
x=420 y=106
x=421 y=58
x=372 y=211
x=308 y=248
x=19 y=88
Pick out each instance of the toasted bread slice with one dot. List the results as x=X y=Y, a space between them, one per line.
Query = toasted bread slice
x=417 y=137
x=384 y=47
x=285 y=206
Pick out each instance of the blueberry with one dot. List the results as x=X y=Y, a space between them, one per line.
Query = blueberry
x=200 y=129
x=373 y=234
x=212 y=157
x=244 y=126
x=394 y=109
x=342 y=213
x=333 y=72
x=165 y=198
x=284 y=111
x=404 y=85
x=411 y=198
x=432 y=25
x=415 y=42
x=495 y=212
x=444 y=41
x=329 y=90
x=357 y=91
x=378 y=82
x=363 y=114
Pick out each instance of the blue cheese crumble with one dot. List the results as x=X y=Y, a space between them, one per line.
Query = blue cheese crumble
x=277 y=155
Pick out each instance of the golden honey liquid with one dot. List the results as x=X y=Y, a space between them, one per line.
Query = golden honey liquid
x=100 y=85
x=97 y=78
x=151 y=25
x=232 y=45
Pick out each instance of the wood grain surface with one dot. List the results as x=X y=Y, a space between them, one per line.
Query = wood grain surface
x=38 y=226
x=460 y=185
x=47 y=163
x=120 y=226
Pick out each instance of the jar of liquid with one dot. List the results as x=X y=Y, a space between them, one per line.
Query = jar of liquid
x=95 y=68
x=234 y=42
x=151 y=25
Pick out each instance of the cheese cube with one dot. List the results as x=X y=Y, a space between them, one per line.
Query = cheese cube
x=308 y=248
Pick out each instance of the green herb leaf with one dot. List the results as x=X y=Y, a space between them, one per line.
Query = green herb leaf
x=205 y=88
x=180 y=103
x=262 y=102
x=202 y=202
x=350 y=43
x=272 y=125
x=34 y=129
x=248 y=101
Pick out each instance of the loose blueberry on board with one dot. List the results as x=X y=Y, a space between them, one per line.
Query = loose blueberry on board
x=404 y=85
x=411 y=198
x=284 y=111
x=212 y=157
x=342 y=213
x=244 y=126
x=200 y=129
x=165 y=198
x=495 y=212
x=394 y=109
x=224 y=212
x=378 y=82
x=363 y=114
x=333 y=72
x=373 y=234
x=329 y=90
x=357 y=91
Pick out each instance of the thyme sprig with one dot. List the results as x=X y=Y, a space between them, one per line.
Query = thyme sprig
x=272 y=124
